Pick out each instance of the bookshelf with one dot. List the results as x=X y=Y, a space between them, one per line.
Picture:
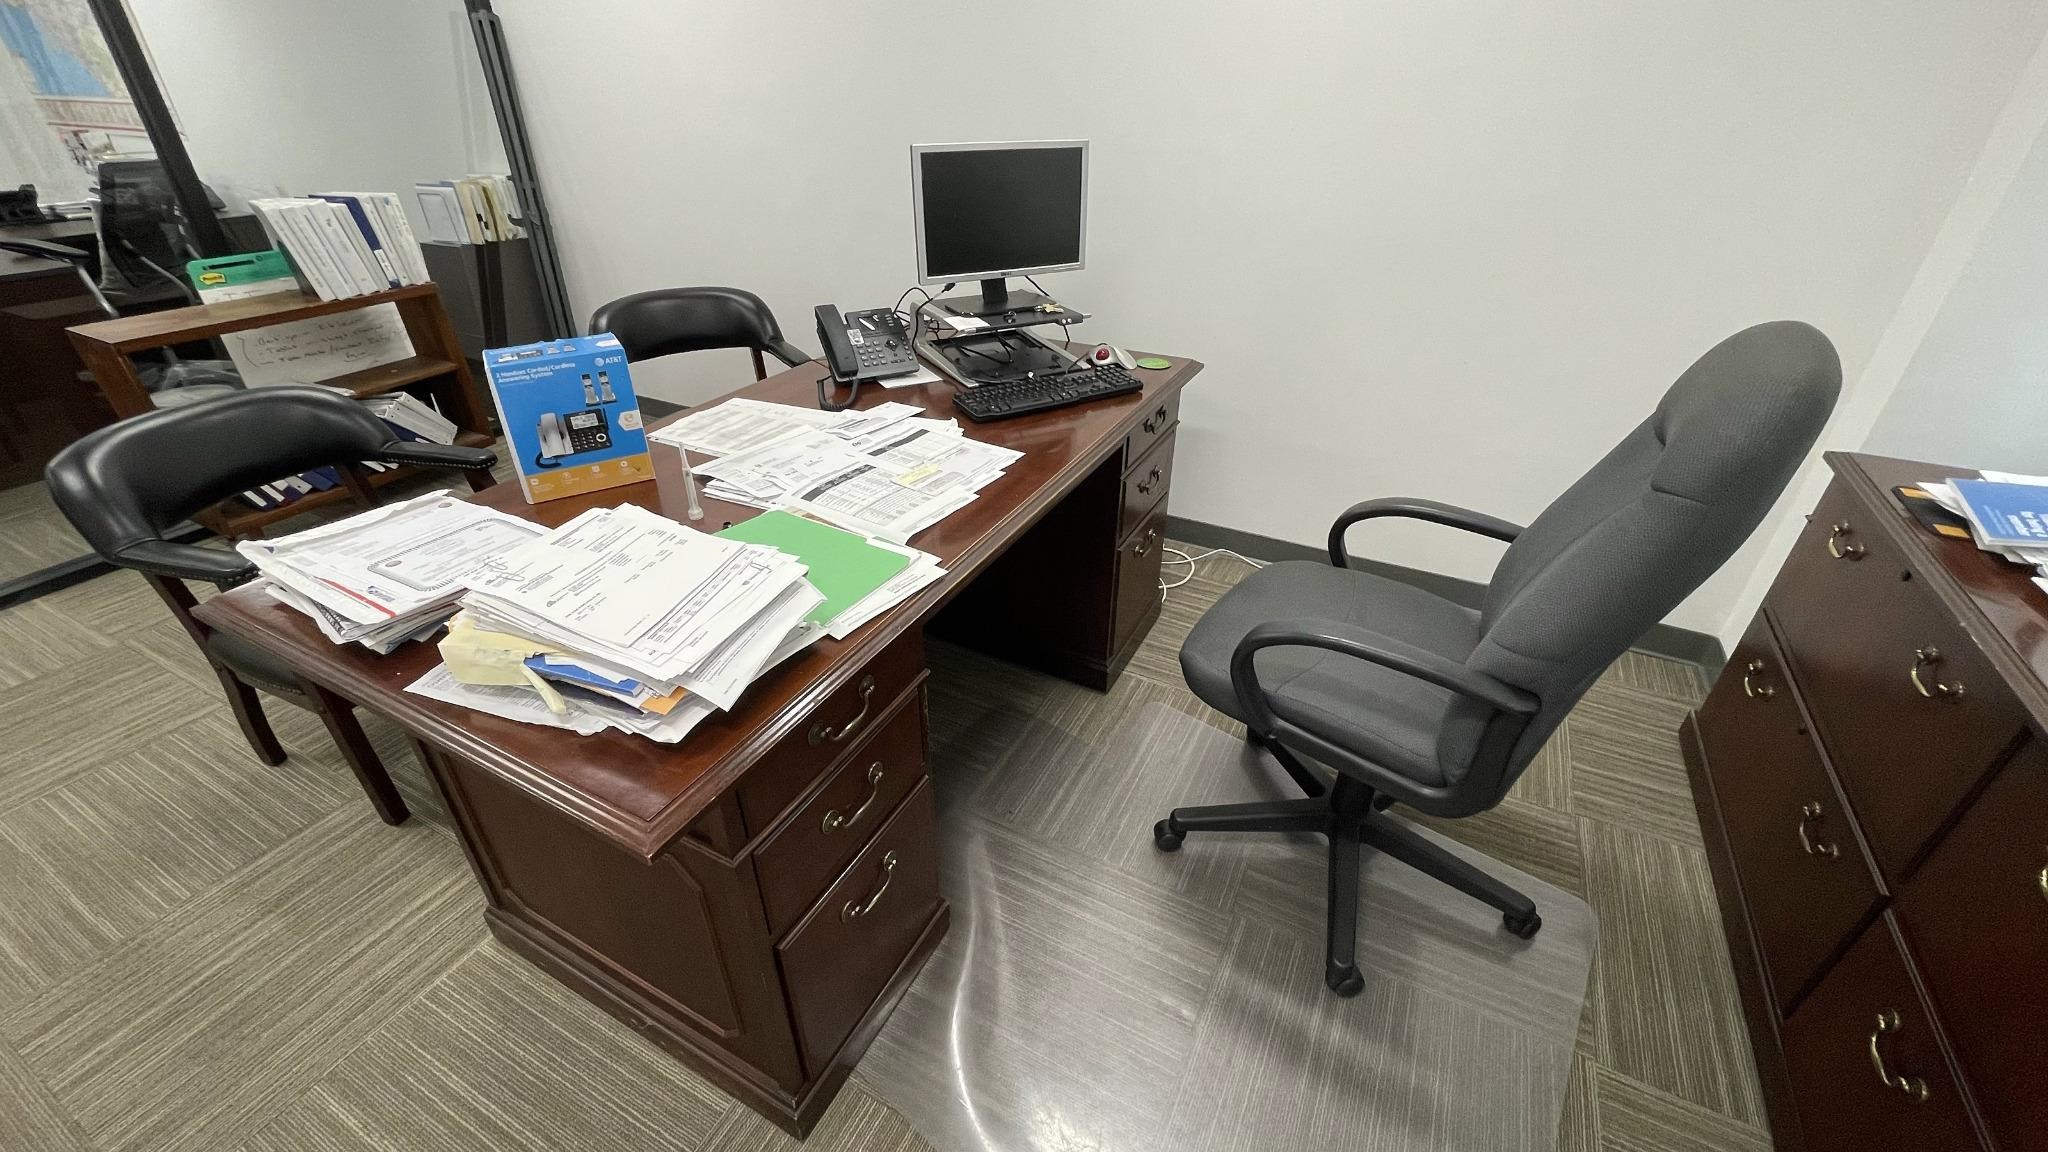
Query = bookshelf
x=436 y=371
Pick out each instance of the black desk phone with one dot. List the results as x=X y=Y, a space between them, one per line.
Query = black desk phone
x=869 y=345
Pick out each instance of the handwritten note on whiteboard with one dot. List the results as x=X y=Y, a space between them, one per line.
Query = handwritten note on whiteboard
x=310 y=351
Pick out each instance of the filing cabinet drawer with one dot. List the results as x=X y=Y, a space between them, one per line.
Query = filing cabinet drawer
x=1802 y=869
x=1159 y=419
x=1869 y=1073
x=843 y=953
x=1910 y=711
x=828 y=729
x=1137 y=578
x=825 y=831
x=1977 y=917
x=1145 y=485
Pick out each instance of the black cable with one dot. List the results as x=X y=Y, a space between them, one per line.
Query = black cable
x=1039 y=288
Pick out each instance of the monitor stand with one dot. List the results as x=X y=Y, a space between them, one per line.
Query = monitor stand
x=996 y=299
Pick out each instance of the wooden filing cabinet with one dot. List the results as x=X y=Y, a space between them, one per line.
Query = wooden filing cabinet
x=1872 y=780
x=790 y=914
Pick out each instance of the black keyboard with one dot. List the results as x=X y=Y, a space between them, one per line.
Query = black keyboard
x=1023 y=397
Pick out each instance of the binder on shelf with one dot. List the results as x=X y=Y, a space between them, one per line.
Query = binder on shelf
x=442 y=212
x=367 y=236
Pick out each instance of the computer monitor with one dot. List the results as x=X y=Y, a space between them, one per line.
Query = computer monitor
x=990 y=211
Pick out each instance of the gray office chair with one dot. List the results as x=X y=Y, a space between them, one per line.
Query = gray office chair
x=1411 y=698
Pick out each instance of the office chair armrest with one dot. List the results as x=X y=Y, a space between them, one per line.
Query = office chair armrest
x=788 y=353
x=186 y=562
x=1448 y=515
x=1372 y=647
x=436 y=455
x=43 y=249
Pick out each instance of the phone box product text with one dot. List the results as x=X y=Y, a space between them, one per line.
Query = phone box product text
x=570 y=417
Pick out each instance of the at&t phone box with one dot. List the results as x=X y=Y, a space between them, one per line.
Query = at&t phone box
x=571 y=421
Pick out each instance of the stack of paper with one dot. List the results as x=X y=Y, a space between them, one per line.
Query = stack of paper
x=668 y=623
x=390 y=574
x=887 y=471
x=2007 y=513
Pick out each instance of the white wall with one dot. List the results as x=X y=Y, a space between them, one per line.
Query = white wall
x=289 y=97
x=1976 y=393
x=1452 y=250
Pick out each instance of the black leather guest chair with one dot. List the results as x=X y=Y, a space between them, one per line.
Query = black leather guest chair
x=1403 y=696
x=124 y=485
x=668 y=321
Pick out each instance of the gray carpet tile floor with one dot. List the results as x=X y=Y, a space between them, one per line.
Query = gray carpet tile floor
x=201 y=952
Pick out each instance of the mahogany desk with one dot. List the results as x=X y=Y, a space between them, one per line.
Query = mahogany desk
x=757 y=898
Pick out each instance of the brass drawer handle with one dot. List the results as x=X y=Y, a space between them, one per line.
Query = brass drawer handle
x=1808 y=813
x=1749 y=688
x=834 y=821
x=1155 y=421
x=1928 y=657
x=2043 y=879
x=1145 y=545
x=1914 y=1088
x=1840 y=551
x=1151 y=482
x=855 y=909
x=821 y=731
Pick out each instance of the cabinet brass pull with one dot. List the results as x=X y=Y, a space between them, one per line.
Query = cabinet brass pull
x=855 y=909
x=2043 y=879
x=1840 y=551
x=834 y=821
x=1927 y=658
x=1145 y=545
x=1750 y=687
x=821 y=731
x=1914 y=1088
x=1151 y=482
x=1808 y=813
x=1155 y=421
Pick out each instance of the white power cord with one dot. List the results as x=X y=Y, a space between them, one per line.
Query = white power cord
x=1176 y=556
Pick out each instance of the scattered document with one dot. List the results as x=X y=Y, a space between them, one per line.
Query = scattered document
x=887 y=471
x=1998 y=538
x=739 y=424
x=867 y=498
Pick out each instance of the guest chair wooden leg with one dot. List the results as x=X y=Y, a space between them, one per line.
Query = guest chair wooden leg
x=479 y=479
x=340 y=717
x=248 y=709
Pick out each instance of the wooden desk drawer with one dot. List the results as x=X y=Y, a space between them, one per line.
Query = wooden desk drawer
x=1145 y=485
x=1137 y=578
x=1802 y=869
x=818 y=839
x=1864 y=1022
x=1910 y=711
x=1977 y=917
x=844 y=952
x=1158 y=420
x=827 y=730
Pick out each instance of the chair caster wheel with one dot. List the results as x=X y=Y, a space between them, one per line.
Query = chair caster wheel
x=1166 y=838
x=1345 y=981
x=1524 y=926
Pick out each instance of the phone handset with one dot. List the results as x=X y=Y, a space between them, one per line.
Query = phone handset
x=839 y=357
x=554 y=443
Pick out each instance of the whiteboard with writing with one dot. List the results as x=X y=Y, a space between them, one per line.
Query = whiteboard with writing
x=310 y=351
